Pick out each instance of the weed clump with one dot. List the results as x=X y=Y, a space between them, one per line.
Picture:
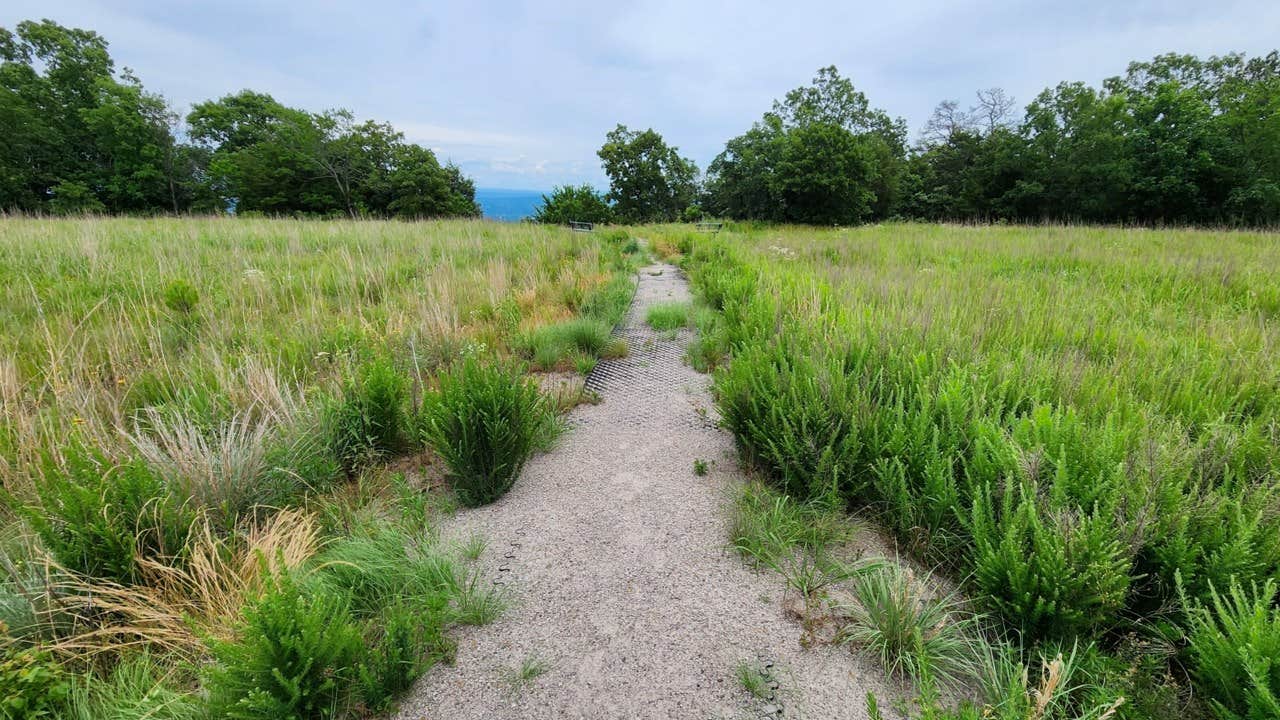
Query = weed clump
x=101 y=519
x=668 y=316
x=485 y=419
x=369 y=423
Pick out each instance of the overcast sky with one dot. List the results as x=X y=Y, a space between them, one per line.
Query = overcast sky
x=520 y=94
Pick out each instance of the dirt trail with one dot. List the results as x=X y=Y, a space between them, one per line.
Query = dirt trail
x=621 y=581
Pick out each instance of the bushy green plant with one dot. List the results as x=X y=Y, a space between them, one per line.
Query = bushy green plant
x=796 y=415
x=369 y=422
x=295 y=656
x=570 y=203
x=181 y=297
x=1050 y=575
x=408 y=639
x=1234 y=644
x=98 y=518
x=484 y=420
x=32 y=684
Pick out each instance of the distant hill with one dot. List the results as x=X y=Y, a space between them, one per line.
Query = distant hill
x=508 y=205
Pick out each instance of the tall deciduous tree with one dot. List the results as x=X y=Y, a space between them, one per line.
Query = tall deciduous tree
x=648 y=179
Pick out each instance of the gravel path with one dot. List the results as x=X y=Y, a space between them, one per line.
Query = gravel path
x=621 y=581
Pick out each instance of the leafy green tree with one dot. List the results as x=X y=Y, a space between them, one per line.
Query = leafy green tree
x=822 y=154
x=648 y=180
x=269 y=158
x=569 y=203
x=824 y=175
x=76 y=136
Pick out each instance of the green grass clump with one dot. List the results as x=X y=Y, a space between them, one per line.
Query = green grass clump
x=485 y=420
x=530 y=669
x=668 y=316
x=893 y=618
x=563 y=345
x=137 y=687
x=752 y=679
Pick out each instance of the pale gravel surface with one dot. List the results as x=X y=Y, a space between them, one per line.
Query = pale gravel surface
x=622 y=582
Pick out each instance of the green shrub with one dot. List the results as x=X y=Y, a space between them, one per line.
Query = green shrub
x=485 y=420
x=369 y=424
x=295 y=656
x=573 y=203
x=98 y=519
x=181 y=297
x=409 y=640
x=1234 y=644
x=796 y=417
x=1051 y=575
x=32 y=685
x=668 y=316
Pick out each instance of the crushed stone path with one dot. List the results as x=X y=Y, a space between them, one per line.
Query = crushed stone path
x=621 y=583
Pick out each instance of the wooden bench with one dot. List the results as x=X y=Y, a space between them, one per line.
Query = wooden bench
x=576 y=226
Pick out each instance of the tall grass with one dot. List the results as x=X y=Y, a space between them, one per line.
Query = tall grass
x=198 y=421
x=1074 y=421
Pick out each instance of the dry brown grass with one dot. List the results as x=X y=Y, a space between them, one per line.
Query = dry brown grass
x=177 y=607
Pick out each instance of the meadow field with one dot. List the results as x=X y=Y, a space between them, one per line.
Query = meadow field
x=222 y=441
x=1080 y=426
x=228 y=445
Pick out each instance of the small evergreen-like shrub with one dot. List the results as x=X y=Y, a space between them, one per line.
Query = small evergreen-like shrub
x=485 y=420
x=1051 y=575
x=98 y=519
x=295 y=656
x=796 y=417
x=409 y=640
x=1235 y=650
x=369 y=423
x=181 y=297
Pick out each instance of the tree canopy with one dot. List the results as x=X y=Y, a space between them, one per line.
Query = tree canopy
x=1174 y=140
x=649 y=181
x=81 y=137
x=573 y=203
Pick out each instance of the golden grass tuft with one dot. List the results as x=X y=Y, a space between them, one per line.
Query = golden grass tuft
x=177 y=607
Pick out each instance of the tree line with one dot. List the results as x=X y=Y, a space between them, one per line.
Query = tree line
x=1174 y=140
x=81 y=137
